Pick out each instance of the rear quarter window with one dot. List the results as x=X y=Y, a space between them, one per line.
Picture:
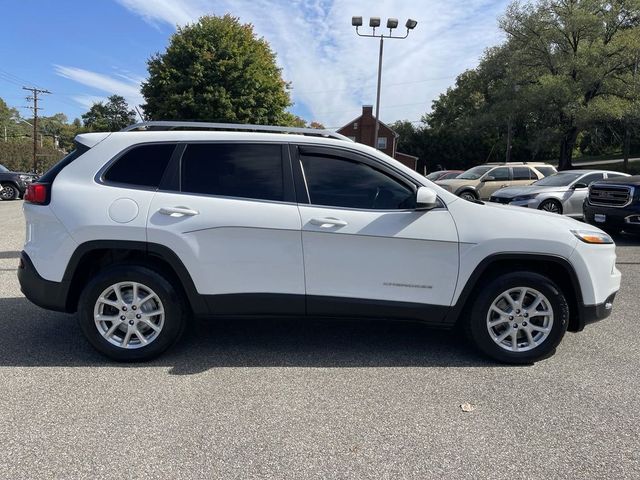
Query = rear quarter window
x=141 y=166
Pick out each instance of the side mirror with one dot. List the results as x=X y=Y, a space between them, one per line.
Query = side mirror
x=489 y=178
x=576 y=186
x=426 y=199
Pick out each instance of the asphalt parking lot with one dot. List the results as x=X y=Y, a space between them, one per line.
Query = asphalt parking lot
x=307 y=400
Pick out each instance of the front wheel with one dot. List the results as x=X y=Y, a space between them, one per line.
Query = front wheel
x=552 y=206
x=518 y=318
x=131 y=313
x=469 y=196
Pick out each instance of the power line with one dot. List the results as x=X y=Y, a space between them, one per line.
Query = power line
x=34 y=97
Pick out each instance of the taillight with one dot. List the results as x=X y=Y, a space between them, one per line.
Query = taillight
x=37 y=193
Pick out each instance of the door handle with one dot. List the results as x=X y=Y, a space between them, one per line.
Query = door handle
x=328 y=222
x=171 y=211
x=503 y=186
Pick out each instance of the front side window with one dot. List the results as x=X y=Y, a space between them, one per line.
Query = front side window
x=499 y=174
x=592 y=177
x=234 y=170
x=142 y=166
x=340 y=182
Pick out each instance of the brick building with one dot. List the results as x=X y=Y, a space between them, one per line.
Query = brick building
x=362 y=130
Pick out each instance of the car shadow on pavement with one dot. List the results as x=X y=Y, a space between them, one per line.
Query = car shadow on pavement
x=9 y=254
x=32 y=337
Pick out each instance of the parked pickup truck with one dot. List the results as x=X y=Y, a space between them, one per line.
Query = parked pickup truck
x=14 y=184
x=614 y=205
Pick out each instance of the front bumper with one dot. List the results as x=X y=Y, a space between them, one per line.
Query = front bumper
x=594 y=313
x=44 y=293
x=615 y=217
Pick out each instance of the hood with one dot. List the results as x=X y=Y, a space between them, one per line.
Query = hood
x=635 y=180
x=454 y=183
x=512 y=192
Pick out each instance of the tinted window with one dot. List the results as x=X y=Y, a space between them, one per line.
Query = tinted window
x=546 y=171
x=234 y=170
x=143 y=165
x=592 y=177
x=3 y=169
x=344 y=183
x=522 y=173
x=501 y=173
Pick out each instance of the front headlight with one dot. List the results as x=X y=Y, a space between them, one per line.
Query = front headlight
x=522 y=198
x=589 y=236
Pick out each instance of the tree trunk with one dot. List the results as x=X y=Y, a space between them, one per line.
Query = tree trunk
x=626 y=149
x=567 y=144
x=507 y=158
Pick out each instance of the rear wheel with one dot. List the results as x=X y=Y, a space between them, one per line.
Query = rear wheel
x=9 y=191
x=518 y=318
x=552 y=206
x=131 y=313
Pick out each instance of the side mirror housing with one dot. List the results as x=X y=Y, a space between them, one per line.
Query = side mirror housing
x=489 y=178
x=577 y=186
x=426 y=199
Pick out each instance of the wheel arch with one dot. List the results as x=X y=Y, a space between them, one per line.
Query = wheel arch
x=557 y=268
x=91 y=256
x=14 y=184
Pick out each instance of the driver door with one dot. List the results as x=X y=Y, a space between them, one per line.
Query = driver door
x=493 y=181
x=367 y=251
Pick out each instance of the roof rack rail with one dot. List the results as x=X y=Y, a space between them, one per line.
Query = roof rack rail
x=182 y=125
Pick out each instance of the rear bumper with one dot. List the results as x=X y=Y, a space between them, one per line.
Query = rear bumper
x=44 y=293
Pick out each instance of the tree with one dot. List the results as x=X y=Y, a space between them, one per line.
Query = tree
x=111 y=116
x=217 y=70
x=575 y=57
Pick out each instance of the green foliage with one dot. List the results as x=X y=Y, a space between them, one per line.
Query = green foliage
x=217 y=70
x=110 y=116
x=563 y=81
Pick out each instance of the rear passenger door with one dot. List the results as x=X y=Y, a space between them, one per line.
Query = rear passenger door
x=228 y=211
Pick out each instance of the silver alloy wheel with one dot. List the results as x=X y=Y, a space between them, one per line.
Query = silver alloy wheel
x=520 y=319
x=550 y=206
x=8 y=192
x=129 y=315
x=468 y=196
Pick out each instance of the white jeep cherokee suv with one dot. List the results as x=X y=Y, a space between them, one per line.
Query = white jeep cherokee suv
x=141 y=229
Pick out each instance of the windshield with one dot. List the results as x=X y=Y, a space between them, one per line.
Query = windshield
x=3 y=169
x=558 y=180
x=474 y=173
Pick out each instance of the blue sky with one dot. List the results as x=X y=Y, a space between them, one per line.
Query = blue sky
x=84 y=51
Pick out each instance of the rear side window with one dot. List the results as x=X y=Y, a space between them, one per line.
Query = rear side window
x=142 y=166
x=522 y=173
x=234 y=170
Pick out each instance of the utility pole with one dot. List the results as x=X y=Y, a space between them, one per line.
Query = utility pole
x=34 y=97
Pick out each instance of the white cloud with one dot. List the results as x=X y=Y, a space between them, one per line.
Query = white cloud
x=129 y=89
x=333 y=72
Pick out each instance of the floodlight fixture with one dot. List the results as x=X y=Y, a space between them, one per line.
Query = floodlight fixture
x=374 y=22
x=411 y=24
x=392 y=23
x=356 y=21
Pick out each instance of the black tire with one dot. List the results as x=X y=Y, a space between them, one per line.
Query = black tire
x=9 y=191
x=173 y=304
x=552 y=206
x=469 y=195
x=477 y=328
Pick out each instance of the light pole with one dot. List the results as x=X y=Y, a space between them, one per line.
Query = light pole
x=374 y=22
